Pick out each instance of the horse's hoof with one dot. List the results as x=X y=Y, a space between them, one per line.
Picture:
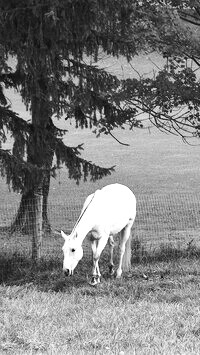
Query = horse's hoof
x=118 y=275
x=111 y=270
x=94 y=281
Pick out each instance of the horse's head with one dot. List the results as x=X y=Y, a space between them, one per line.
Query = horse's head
x=73 y=252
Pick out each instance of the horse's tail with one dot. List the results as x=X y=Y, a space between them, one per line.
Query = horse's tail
x=126 y=261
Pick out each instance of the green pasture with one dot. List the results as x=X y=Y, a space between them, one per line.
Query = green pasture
x=41 y=312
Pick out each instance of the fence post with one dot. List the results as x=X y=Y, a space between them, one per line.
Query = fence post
x=37 y=232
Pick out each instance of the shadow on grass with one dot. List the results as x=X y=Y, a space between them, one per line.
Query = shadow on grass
x=47 y=274
x=18 y=270
x=163 y=252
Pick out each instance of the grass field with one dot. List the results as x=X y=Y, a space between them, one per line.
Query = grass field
x=41 y=312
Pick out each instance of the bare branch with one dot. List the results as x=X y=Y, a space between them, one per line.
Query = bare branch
x=126 y=144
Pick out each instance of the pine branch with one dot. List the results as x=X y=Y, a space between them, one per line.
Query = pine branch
x=17 y=171
x=78 y=167
x=12 y=79
x=12 y=121
x=94 y=76
x=17 y=127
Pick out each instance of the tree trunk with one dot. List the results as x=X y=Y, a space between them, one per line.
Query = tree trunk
x=32 y=217
x=22 y=221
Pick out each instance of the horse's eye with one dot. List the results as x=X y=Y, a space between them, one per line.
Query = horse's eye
x=73 y=250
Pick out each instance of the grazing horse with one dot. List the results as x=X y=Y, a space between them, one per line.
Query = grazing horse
x=105 y=213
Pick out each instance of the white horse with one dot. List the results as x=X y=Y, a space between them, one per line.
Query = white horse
x=105 y=213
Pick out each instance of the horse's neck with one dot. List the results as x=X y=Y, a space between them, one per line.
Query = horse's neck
x=86 y=219
x=83 y=228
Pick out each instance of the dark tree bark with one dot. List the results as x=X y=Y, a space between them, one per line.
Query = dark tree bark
x=23 y=219
x=32 y=217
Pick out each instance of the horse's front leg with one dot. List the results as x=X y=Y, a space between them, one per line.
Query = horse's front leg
x=97 y=248
x=95 y=266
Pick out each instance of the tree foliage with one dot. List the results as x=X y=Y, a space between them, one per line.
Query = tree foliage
x=50 y=41
x=171 y=97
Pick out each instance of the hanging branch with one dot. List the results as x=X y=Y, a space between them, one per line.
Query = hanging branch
x=118 y=141
x=78 y=167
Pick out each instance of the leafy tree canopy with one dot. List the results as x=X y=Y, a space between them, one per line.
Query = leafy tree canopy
x=171 y=98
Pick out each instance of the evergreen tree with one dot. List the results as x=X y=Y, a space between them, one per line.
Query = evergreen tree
x=49 y=41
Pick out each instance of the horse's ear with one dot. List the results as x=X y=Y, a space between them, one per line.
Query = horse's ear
x=63 y=235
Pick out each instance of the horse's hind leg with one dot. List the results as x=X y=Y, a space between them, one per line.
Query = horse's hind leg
x=95 y=270
x=125 y=234
x=111 y=245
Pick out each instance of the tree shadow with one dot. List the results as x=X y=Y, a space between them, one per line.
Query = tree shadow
x=47 y=275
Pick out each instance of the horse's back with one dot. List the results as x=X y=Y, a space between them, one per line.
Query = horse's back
x=117 y=191
x=118 y=197
x=114 y=206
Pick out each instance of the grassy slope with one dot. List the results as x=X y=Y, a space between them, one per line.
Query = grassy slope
x=161 y=170
x=50 y=315
x=153 y=163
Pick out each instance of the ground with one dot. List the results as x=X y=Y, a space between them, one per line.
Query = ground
x=44 y=313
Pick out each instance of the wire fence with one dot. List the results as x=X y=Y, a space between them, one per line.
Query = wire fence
x=161 y=220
